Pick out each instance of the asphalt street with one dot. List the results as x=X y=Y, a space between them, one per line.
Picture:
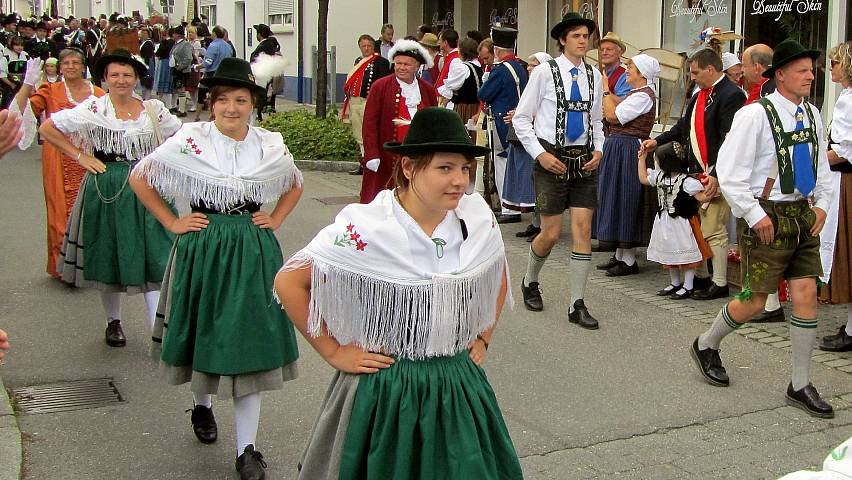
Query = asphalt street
x=625 y=401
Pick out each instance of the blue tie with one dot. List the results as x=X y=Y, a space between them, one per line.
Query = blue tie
x=574 y=120
x=803 y=169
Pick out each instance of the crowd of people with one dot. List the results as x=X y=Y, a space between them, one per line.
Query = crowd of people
x=402 y=292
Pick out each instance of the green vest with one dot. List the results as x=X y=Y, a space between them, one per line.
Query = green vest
x=785 y=140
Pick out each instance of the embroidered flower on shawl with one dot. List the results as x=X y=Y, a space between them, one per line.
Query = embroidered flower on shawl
x=93 y=107
x=190 y=147
x=351 y=238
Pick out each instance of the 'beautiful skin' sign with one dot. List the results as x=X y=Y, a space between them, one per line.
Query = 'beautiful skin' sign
x=801 y=7
x=696 y=8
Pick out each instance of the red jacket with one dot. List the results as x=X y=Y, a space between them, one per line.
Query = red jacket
x=379 y=129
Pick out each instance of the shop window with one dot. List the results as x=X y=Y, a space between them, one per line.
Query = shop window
x=438 y=14
x=210 y=12
x=492 y=11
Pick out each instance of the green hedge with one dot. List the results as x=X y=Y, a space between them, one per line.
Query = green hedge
x=312 y=138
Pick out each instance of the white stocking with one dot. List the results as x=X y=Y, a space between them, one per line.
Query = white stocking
x=246 y=418
x=112 y=305
x=151 y=301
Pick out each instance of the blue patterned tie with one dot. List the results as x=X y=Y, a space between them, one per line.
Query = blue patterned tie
x=803 y=168
x=574 y=120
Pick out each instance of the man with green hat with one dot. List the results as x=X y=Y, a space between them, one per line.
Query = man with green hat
x=564 y=95
x=773 y=171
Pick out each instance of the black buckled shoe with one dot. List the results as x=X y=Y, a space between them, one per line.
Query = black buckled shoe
x=710 y=364
x=114 y=335
x=712 y=293
x=771 y=316
x=623 y=269
x=609 y=263
x=683 y=296
x=204 y=424
x=530 y=231
x=581 y=316
x=841 y=342
x=808 y=399
x=250 y=464
x=671 y=289
x=532 y=296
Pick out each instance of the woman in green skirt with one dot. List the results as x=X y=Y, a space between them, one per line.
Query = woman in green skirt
x=402 y=296
x=125 y=247
x=219 y=326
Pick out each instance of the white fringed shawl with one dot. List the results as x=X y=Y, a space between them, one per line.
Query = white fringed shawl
x=186 y=166
x=367 y=291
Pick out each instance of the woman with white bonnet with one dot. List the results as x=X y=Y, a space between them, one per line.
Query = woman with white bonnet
x=733 y=68
x=620 y=205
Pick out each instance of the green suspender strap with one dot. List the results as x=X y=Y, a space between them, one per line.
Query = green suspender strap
x=783 y=141
x=564 y=105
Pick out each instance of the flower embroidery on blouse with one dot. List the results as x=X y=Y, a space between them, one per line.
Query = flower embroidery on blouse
x=93 y=107
x=190 y=147
x=351 y=238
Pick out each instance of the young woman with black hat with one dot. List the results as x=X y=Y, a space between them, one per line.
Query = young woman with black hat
x=219 y=326
x=125 y=248
x=402 y=297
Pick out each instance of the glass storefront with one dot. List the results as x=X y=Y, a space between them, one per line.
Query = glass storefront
x=492 y=11
x=684 y=20
x=438 y=13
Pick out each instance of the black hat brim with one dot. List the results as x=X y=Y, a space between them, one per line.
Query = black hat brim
x=558 y=29
x=211 y=82
x=449 y=147
x=812 y=54
x=100 y=67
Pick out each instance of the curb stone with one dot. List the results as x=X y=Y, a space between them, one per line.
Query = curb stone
x=326 y=165
x=10 y=439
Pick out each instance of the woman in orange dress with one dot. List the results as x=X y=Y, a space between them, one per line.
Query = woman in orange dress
x=62 y=175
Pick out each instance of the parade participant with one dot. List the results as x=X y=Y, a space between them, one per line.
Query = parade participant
x=219 y=327
x=269 y=45
x=676 y=240
x=778 y=137
x=164 y=85
x=194 y=77
x=61 y=174
x=369 y=67
x=40 y=46
x=76 y=37
x=628 y=121
x=95 y=42
x=125 y=248
x=50 y=72
x=430 y=74
x=756 y=60
x=217 y=51
x=565 y=96
x=733 y=68
x=448 y=39
x=26 y=30
x=385 y=43
x=702 y=129
x=13 y=68
x=459 y=91
x=431 y=312
x=392 y=103
x=486 y=54
x=610 y=50
x=180 y=61
x=839 y=287
x=501 y=92
x=147 y=50
x=10 y=29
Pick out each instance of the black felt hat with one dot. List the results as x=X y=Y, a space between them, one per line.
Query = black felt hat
x=234 y=72
x=571 y=19
x=263 y=30
x=42 y=26
x=786 y=52
x=504 y=37
x=120 y=55
x=436 y=129
x=11 y=18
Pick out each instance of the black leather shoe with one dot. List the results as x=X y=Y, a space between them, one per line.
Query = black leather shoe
x=623 y=269
x=251 y=465
x=530 y=231
x=767 y=317
x=501 y=219
x=357 y=171
x=114 y=335
x=609 y=263
x=532 y=296
x=841 y=342
x=702 y=283
x=204 y=424
x=581 y=316
x=671 y=289
x=808 y=399
x=683 y=296
x=714 y=292
x=710 y=364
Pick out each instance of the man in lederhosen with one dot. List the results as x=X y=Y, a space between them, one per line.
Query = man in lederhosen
x=564 y=95
x=774 y=173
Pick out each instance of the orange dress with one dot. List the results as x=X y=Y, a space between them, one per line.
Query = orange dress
x=62 y=174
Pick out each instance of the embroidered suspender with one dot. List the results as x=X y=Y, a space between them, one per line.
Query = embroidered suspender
x=563 y=105
x=783 y=141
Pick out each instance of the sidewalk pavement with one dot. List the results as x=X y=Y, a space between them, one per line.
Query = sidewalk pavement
x=10 y=439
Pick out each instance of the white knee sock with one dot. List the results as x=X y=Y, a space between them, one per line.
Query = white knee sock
x=246 y=418
x=802 y=335
x=772 y=302
x=534 y=265
x=849 y=319
x=628 y=256
x=112 y=305
x=688 y=277
x=674 y=275
x=720 y=265
x=167 y=99
x=578 y=273
x=619 y=254
x=203 y=399
x=151 y=301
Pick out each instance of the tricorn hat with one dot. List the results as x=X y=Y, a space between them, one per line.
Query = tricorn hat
x=786 y=52
x=571 y=19
x=614 y=38
x=504 y=37
x=411 y=49
x=120 y=55
x=234 y=72
x=436 y=129
x=263 y=29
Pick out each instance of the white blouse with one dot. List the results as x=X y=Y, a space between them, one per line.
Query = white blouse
x=841 y=125
x=438 y=253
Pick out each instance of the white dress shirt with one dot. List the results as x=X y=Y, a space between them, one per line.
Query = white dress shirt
x=633 y=105
x=456 y=76
x=539 y=100
x=841 y=125
x=748 y=154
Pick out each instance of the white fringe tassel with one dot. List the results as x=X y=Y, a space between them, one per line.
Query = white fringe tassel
x=416 y=321
x=119 y=142
x=216 y=193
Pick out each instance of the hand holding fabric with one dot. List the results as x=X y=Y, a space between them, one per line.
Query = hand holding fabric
x=34 y=71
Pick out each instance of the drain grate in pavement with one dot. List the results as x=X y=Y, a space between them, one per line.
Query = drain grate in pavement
x=345 y=200
x=67 y=396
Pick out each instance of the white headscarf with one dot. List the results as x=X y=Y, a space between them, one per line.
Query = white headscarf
x=648 y=66
x=729 y=60
x=542 y=57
